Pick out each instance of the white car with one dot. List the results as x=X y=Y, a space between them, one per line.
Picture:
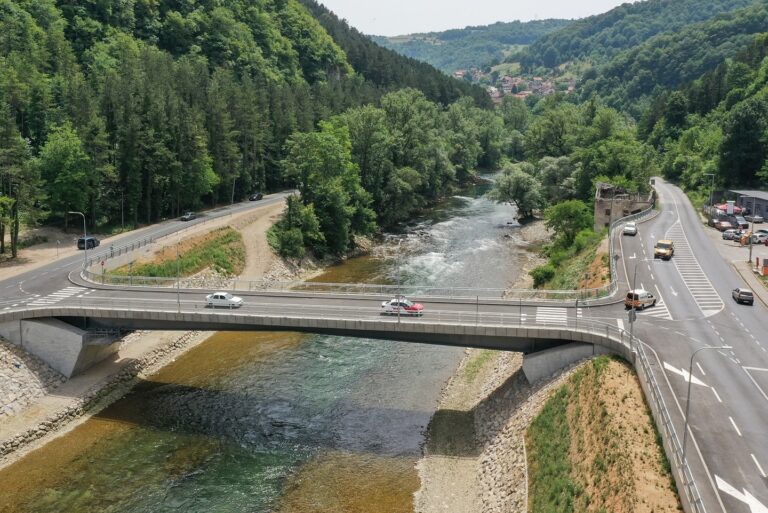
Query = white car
x=630 y=229
x=402 y=306
x=224 y=299
x=759 y=237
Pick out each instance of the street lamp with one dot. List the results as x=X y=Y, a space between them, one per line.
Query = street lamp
x=752 y=227
x=688 y=399
x=712 y=188
x=85 y=240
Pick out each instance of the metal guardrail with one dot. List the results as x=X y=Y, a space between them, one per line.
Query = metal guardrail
x=233 y=284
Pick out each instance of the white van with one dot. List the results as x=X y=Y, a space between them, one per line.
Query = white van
x=639 y=298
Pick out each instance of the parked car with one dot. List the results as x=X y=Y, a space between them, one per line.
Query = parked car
x=402 y=306
x=664 y=249
x=188 y=216
x=723 y=225
x=639 y=298
x=755 y=219
x=741 y=222
x=630 y=229
x=759 y=238
x=711 y=221
x=256 y=196
x=732 y=234
x=224 y=299
x=87 y=242
x=742 y=295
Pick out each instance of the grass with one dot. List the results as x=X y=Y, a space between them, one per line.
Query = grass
x=573 y=265
x=476 y=363
x=223 y=250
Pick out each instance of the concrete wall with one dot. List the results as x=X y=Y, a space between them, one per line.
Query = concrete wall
x=62 y=346
x=545 y=363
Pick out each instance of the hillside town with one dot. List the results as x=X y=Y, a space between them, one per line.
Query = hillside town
x=518 y=86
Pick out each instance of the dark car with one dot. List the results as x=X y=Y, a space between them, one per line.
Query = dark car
x=256 y=196
x=188 y=216
x=87 y=242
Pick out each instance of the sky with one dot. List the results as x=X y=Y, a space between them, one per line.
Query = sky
x=397 y=17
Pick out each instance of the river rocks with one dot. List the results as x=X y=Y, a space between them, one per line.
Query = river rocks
x=23 y=378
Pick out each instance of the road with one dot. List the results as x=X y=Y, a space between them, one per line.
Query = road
x=727 y=443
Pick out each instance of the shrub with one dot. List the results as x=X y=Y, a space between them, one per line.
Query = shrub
x=542 y=274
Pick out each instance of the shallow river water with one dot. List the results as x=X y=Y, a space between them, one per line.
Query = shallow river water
x=257 y=422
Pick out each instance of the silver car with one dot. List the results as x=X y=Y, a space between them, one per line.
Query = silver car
x=224 y=299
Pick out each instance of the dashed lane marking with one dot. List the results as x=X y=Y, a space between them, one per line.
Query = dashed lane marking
x=57 y=296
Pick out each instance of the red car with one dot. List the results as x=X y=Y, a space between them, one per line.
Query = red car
x=402 y=306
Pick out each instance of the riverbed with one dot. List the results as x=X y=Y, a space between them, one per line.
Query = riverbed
x=281 y=421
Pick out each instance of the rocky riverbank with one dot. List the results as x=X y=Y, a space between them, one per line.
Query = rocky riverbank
x=490 y=392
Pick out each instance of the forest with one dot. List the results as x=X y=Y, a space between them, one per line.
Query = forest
x=134 y=111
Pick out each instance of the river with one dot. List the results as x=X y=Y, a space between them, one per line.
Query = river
x=257 y=422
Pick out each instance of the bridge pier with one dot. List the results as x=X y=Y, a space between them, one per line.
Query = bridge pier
x=545 y=363
x=64 y=347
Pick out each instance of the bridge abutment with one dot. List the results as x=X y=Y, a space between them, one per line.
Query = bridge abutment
x=64 y=347
x=545 y=363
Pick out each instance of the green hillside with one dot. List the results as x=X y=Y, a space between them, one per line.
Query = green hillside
x=597 y=38
x=471 y=46
x=148 y=108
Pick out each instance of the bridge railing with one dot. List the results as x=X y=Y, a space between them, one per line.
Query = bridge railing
x=95 y=271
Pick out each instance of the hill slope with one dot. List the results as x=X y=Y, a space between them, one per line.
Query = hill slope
x=471 y=46
x=600 y=37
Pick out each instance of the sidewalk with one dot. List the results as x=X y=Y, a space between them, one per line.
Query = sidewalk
x=753 y=280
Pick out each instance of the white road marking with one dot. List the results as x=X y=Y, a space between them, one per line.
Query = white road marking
x=757 y=464
x=700 y=369
x=684 y=373
x=620 y=324
x=755 y=506
x=754 y=382
x=674 y=292
x=738 y=431
x=716 y=395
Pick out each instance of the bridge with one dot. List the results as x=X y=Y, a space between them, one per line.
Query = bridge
x=71 y=317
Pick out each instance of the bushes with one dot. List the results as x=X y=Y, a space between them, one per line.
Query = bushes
x=542 y=274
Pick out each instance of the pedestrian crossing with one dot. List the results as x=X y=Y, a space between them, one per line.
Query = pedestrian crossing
x=704 y=294
x=60 y=295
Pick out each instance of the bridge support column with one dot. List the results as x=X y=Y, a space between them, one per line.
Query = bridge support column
x=64 y=347
x=543 y=364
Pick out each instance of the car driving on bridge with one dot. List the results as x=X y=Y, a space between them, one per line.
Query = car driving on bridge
x=224 y=299
x=402 y=306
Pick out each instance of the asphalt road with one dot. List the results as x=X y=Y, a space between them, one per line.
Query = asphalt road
x=728 y=441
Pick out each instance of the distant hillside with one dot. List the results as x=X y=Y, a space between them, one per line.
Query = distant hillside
x=674 y=59
x=470 y=46
x=600 y=37
x=387 y=68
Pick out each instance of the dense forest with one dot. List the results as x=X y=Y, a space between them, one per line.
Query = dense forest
x=138 y=110
x=598 y=38
x=469 y=47
x=673 y=59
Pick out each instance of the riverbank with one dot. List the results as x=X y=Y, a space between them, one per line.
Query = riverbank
x=37 y=404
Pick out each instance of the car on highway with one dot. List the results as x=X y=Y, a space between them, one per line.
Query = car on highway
x=639 y=298
x=402 y=306
x=188 y=216
x=87 y=242
x=224 y=299
x=630 y=229
x=256 y=196
x=742 y=295
x=664 y=249
x=732 y=234
x=755 y=219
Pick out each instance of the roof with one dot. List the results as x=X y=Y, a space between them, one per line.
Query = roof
x=754 y=194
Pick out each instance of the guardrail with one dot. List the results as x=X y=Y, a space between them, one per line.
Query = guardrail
x=233 y=284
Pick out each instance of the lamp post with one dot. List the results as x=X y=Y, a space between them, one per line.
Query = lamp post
x=712 y=188
x=85 y=239
x=752 y=228
x=688 y=399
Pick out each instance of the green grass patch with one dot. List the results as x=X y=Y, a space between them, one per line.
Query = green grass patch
x=474 y=366
x=567 y=267
x=224 y=252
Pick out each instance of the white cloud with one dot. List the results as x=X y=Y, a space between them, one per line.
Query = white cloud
x=395 y=17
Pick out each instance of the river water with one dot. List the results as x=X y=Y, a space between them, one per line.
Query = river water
x=284 y=422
